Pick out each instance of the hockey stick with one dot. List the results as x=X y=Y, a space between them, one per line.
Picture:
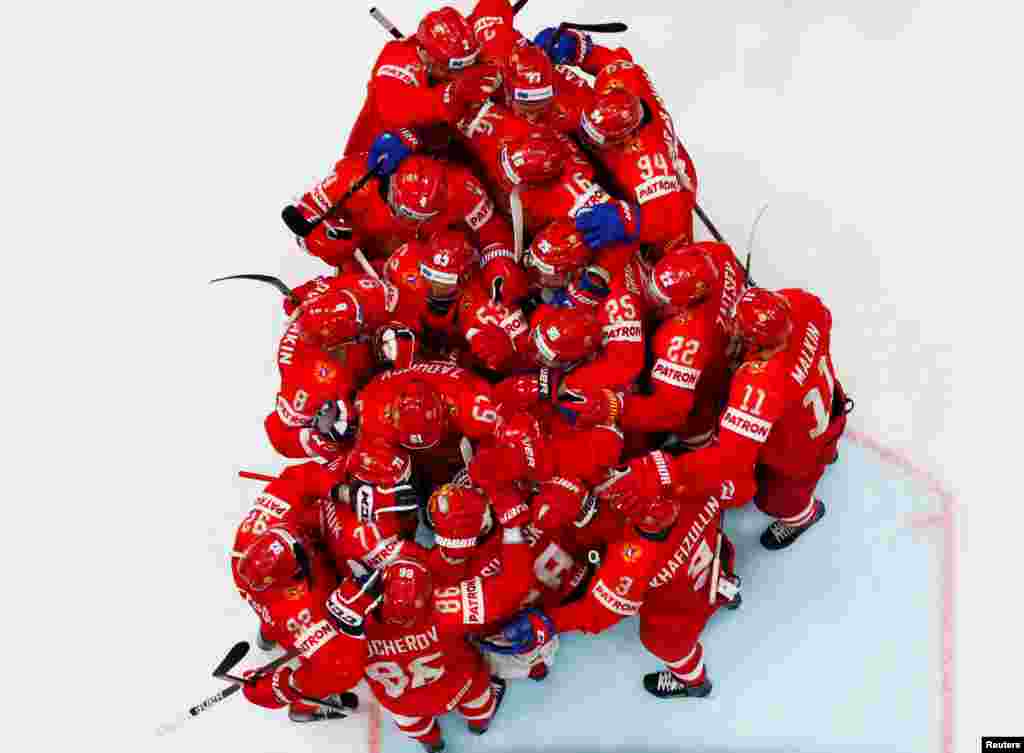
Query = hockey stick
x=303 y=227
x=608 y=27
x=708 y=223
x=286 y=291
x=383 y=21
x=256 y=476
x=367 y=267
x=235 y=655
x=519 y=6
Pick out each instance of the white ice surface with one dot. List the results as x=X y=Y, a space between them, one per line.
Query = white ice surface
x=168 y=137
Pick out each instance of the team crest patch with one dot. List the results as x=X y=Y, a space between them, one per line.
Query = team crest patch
x=294 y=592
x=325 y=372
x=631 y=553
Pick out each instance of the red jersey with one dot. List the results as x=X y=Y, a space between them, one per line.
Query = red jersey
x=469 y=409
x=691 y=355
x=486 y=131
x=290 y=502
x=311 y=377
x=651 y=168
x=426 y=669
x=398 y=95
x=376 y=229
x=622 y=315
x=779 y=410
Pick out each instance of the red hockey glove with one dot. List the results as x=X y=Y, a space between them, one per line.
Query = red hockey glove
x=510 y=508
x=589 y=407
x=395 y=345
x=560 y=502
x=332 y=242
x=470 y=90
x=643 y=479
x=491 y=345
x=319 y=445
x=271 y=691
x=506 y=281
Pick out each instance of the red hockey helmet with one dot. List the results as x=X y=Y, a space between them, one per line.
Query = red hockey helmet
x=448 y=41
x=408 y=592
x=614 y=115
x=556 y=253
x=419 y=188
x=650 y=516
x=762 y=319
x=536 y=158
x=684 y=276
x=529 y=81
x=563 y=336
x=275 y=558
x=460 y=516
x=447 y=264
x=332 y=319
x=418 y=414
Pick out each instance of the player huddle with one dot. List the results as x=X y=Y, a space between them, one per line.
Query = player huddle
x=521 y=348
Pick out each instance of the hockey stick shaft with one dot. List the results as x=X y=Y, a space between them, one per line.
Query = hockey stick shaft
x=385 y=22
x=519 y=6
x=708 y=223
x=336 y=207
x=609 y=27
x=256 y=476
x=361 y=259
x=194 y=711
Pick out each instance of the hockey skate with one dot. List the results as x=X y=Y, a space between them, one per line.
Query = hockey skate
x=478 y=727
x=433 y=747
x=779 y=535
x=265 y=644
x=308 y=712
x=664 y=684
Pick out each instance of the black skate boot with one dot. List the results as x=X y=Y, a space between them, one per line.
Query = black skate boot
x=779 y=535
x=432 y=747
x=263 y=642
x=301 y=712
x=664 y=684
x=479 y=727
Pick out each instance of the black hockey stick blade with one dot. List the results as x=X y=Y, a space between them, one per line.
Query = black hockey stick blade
x=611 y=27
x=519 y=6
x=235 y=655
x=286 y=291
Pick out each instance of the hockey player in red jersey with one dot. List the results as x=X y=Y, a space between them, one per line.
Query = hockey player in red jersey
x=631 y=134
x=694 y=288
x=420 y=82
x=443 y=291
x=367 y=519
x=420 y=665
x=553 y=177
x=322 y=363
x=672 y=566
x=785 y=414
x=280 y=571
x=423 y=196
